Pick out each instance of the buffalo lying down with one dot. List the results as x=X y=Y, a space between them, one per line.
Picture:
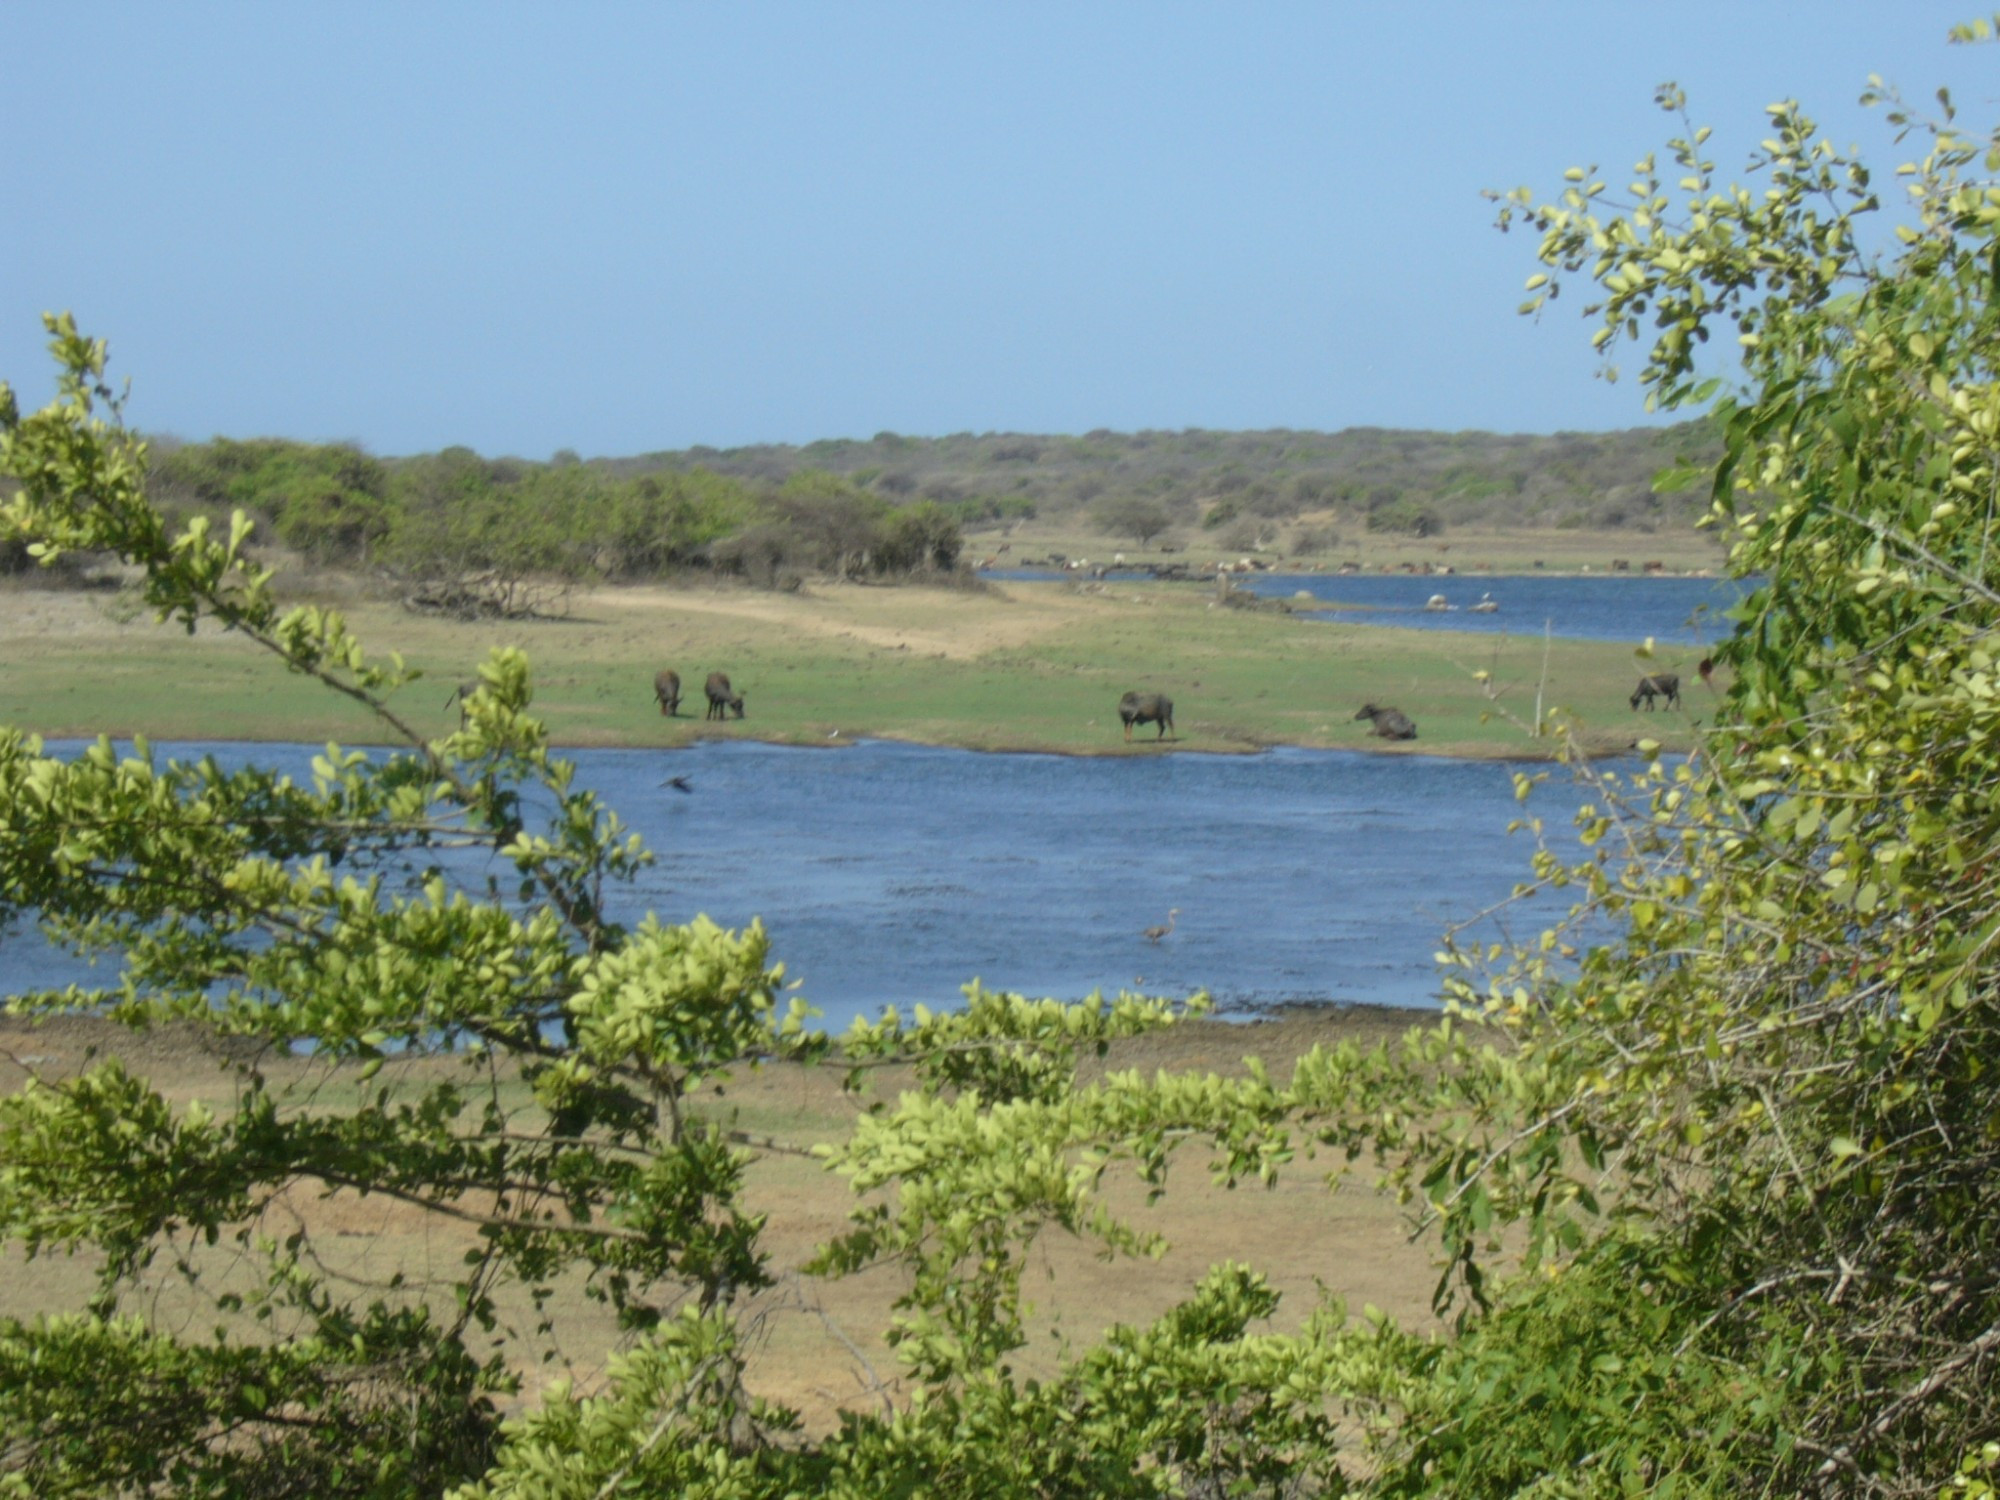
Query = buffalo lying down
x=1390 y=723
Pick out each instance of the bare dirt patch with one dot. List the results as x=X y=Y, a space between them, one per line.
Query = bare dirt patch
x=954 y=624
x=39 y=614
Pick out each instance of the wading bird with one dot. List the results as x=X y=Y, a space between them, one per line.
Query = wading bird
x=1154 y=934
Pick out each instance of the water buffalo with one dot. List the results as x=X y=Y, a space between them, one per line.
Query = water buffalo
x=1146 y=708
x=667 y=689
x=1390 y=723
x=1665 y=685
x=721 y=698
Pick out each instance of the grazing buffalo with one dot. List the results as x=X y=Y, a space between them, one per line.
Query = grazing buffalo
x=1146 y=708
x=1390 y=723
x=667 y=689
x=1665 y=685
x=721 y=699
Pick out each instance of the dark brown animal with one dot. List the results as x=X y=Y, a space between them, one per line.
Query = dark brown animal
x=1390 y=723
x=1665 y=685
x=722 y=699
x=667 y=690
x=1146 y=708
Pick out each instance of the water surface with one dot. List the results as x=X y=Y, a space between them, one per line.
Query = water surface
x=1681 y=611
x=895 y=873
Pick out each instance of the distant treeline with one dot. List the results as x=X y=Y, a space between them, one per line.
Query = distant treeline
x=481 y=534
x=893 y=506
x=1385 y=480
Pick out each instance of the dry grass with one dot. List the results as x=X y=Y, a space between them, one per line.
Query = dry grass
x=820 y=1345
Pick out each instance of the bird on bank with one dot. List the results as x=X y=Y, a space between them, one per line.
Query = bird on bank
x=1154 y=934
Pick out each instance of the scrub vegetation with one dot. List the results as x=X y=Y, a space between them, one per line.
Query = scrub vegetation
x=467 y=535
x=1714 y=1202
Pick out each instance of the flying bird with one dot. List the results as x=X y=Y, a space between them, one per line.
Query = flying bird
x=1154 y=934
x=678 y=783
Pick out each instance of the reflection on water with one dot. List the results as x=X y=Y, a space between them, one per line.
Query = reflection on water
x=895 y=873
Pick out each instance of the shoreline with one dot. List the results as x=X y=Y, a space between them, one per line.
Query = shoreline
x=1023 y=669
x=1494 y=754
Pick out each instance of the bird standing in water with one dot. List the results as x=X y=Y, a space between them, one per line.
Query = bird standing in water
x=1154 y=934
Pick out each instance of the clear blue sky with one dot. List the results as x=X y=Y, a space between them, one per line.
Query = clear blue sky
x=625 y=227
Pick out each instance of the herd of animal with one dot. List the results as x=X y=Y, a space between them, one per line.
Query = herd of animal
x=1386 y=723
x=723 y=700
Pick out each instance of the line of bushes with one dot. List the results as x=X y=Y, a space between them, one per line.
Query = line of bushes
x=447 y=517
x=1411 y=481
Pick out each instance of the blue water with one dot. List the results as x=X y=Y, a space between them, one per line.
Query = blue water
x=896 y=873
x=1681 y=611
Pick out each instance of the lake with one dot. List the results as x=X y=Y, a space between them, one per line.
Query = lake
x=1612 y=607
x=896 y=873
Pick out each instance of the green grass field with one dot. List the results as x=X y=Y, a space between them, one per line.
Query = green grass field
x=1035 y=666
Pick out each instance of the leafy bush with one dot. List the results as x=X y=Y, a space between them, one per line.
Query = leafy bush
x=1776 y=1085
x=1404 y=516
x=331 y=502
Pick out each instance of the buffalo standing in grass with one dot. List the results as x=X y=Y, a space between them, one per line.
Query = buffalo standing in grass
x=1146 y=708
x=722 y=699
x=667 y=691
x=1390 y=723
x=1665 y=685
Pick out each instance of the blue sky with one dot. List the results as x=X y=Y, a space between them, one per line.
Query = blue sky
x=618 y=228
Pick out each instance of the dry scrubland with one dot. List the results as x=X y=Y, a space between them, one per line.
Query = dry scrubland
x=819 y=1347
x=1016 y=666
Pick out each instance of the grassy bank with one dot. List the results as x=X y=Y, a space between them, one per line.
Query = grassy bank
x=1036 y=666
